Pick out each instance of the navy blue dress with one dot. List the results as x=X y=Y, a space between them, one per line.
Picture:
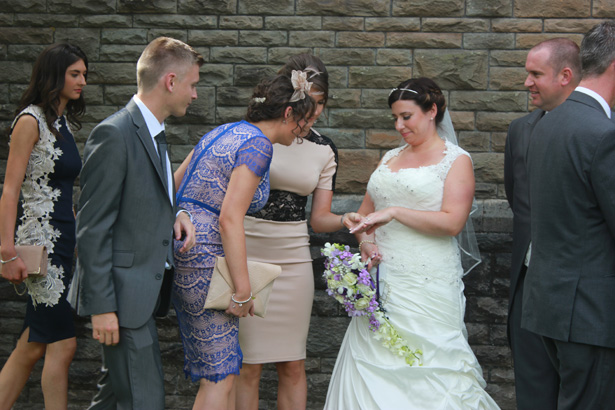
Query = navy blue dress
x=49 y=220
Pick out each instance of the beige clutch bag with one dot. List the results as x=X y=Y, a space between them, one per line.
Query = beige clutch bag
x=35 y=258
x=221 y=286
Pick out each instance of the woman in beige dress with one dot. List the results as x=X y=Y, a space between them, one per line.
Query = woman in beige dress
x=279 y=234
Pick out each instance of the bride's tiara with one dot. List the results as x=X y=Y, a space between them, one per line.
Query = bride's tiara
x=402 y=89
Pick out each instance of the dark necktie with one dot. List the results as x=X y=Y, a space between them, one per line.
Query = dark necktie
x=161 y=140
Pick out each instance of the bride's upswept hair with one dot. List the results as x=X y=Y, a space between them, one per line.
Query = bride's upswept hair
x=424 y=92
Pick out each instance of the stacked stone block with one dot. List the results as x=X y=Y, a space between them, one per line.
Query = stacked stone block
x=474 y=49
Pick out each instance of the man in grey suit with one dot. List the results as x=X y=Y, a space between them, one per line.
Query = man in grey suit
x=569 y=296
x=125 y=226
x=554 y=70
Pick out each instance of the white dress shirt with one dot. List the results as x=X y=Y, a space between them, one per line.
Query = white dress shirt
x=597 y=97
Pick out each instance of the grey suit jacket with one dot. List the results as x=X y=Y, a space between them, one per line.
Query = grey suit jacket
x=570 y=285
x=517 y=191
x=124 y=223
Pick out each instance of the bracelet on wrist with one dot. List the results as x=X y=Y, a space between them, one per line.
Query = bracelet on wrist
x=241 y=302
x=365 y=241
x=9 y=260
x=342 y=219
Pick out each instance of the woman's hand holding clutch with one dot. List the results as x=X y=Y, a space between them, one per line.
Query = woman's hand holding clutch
x=240 y=308
x=14 y=270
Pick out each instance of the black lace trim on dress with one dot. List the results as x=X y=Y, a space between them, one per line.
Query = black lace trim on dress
x=283 y=206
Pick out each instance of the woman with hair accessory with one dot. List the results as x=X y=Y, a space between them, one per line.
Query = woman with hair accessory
x=417 y=204
x=225 y=177
x=42 y=165
x=278 y=234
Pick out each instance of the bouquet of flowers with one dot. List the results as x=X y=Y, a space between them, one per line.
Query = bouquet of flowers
x=349 y=282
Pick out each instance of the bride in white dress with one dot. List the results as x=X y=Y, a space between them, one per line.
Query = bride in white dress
x=417 y=202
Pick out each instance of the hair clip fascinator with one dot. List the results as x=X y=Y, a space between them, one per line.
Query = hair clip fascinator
x=401 y=89
x=300 y=84
x=259 y=99
x=314 y=72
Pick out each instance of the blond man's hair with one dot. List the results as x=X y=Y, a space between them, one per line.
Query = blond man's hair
x=162 y=55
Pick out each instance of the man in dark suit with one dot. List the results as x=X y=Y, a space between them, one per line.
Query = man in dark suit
x=554 y=70
x=125 y=226
x=569 y=296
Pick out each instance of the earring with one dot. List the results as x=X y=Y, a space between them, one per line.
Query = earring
x=283 y=121
x=431 y=119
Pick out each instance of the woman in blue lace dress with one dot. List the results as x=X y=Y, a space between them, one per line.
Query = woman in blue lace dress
x=222 y=179
x=278 y=234
x=42 y=165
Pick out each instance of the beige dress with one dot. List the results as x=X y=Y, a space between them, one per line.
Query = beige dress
x=279 y=234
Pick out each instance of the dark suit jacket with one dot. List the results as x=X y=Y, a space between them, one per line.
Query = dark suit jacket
x=124 y=223
x=517 y=191
x=570 y=285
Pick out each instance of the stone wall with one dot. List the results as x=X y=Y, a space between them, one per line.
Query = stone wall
x=474 y=49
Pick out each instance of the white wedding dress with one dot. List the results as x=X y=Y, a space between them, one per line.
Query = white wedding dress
x=422 y=292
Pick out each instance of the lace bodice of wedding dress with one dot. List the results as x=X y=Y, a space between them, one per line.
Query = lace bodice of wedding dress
x=426 y=257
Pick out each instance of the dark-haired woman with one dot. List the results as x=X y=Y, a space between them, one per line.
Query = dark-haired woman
x=43 y=163
x=418 y=200
x=278 y=234
x=225 y=177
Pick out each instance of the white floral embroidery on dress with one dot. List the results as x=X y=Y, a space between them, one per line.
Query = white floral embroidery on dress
x=38 y=203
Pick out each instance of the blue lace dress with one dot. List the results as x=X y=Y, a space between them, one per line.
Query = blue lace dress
x=210 y=337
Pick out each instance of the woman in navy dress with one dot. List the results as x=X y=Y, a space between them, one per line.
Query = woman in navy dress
x=222 y=179
x=43 y=163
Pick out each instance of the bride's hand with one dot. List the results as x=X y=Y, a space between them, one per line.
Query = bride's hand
x=371 y=254
x=372 y=222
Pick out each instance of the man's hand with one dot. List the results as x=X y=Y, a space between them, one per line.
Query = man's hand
x=106 y=329
x=183 y=225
